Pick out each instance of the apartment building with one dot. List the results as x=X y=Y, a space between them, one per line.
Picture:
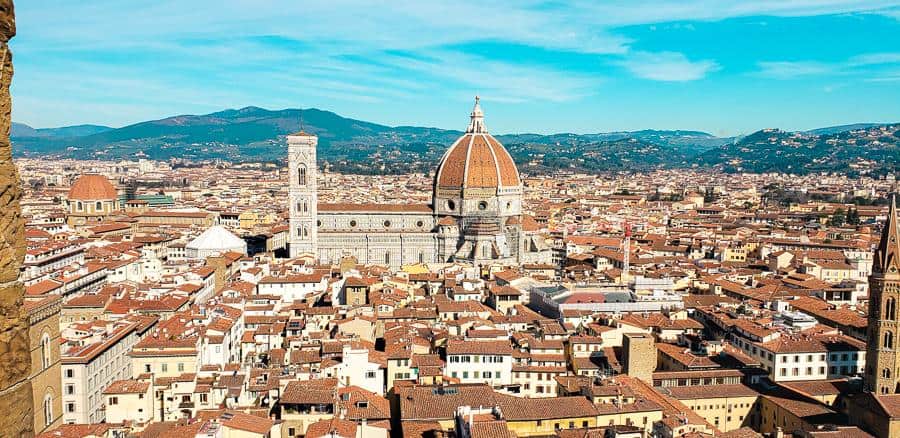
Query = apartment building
x=487 y=362
x=93 y=361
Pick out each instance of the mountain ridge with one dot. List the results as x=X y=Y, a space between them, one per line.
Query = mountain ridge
x=258 y=134
x=19 y=130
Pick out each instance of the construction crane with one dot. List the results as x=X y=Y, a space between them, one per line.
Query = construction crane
x=626 y=249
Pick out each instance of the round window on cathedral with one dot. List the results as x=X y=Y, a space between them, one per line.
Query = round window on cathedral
x=352 y=224
x=420 y=224
x=509 y=205
x=318 y=223
x=451 y=205
x=482 y=205
x=387 y=224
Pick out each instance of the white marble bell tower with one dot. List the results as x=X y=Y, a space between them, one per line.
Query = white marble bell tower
x=303 y=193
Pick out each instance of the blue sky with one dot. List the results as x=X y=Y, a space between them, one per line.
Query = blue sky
x=723 y=66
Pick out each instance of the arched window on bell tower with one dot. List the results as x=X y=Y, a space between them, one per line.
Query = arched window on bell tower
x=888 y=340
x=45 y=351
x=301 y=175
x=48 y=408
x=890 y=309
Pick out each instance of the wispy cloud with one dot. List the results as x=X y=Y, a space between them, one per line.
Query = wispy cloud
x=792 y=69
x=875 y=58
x=164 y=57
x=667 y=66
x=853 y=65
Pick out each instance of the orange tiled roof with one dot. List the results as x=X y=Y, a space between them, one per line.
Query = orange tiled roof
x=92 y=188
x=477 y=160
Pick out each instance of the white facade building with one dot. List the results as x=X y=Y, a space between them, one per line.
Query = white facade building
x=487 y=362
x=356 y=369
x=92 y=365
x=801 y=357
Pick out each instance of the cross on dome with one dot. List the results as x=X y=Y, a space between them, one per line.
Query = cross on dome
x=476 y=126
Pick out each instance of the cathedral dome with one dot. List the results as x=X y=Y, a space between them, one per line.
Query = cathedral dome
x=92 y=187
x=477 y=160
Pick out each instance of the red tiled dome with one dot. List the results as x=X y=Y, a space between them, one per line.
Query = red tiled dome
x=92 y=188
x=477 y=160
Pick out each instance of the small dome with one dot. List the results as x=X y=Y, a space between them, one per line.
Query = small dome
x=477 y=160
x=92 y=187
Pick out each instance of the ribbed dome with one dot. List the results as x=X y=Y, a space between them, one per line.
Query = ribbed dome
x=477 y=160
x=92 y=188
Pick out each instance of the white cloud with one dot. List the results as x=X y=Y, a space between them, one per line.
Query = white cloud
x=792 y=69
x=344 y=48
x=875 y=58
x=585 y=26
x=854 y=64
x=667 y=66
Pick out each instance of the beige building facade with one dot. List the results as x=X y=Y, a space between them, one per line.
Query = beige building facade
x=43 y=333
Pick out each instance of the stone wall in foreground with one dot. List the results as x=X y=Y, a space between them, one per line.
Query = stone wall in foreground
x=16 y=410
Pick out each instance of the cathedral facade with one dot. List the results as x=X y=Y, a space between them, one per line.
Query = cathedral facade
x=475 y=214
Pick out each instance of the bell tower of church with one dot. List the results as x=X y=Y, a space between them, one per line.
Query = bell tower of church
x=882 y=355
x=302 y=193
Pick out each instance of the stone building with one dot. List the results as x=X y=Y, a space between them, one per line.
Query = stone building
x=45 y=376
x=92 y=198
x=475 y=214
x=639 y=356
x=883 y=361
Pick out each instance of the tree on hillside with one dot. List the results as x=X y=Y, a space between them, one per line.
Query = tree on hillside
x=853 y=217
x=838 y=218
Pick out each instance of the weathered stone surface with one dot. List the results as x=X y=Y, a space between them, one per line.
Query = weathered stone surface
x=15 y=354
x=7 y=20
x=12 y=231
x=15 y=404
x=17 y=419
x=10 y=296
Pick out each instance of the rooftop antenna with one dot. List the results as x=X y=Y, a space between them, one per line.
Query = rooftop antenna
x=626 y=248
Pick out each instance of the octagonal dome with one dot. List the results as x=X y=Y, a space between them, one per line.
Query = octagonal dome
x=477 y=160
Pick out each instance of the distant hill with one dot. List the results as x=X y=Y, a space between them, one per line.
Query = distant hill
x=21 y=130
x=842 y=128
x=875 y=150
x=258 y=134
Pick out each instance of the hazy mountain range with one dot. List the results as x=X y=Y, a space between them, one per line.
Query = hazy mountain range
x=257 y=134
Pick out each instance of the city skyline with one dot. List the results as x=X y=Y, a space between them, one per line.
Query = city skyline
x=726 y=68
x=269 y=239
